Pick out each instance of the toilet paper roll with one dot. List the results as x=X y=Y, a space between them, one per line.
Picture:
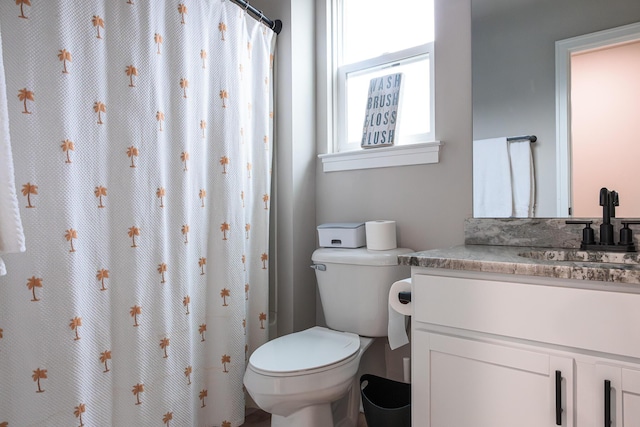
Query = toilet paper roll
x=398 y=312
x=381 y=235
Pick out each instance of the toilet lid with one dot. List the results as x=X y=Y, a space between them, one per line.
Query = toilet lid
x=306 y=350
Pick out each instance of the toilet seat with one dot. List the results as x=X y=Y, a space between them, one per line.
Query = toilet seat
x=310 y=351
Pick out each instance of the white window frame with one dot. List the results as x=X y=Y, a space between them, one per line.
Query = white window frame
x=422 y=149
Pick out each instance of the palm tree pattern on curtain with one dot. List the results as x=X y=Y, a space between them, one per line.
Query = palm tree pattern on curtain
x=138 y=134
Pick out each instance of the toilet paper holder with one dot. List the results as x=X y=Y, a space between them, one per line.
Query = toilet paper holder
x=404 y=297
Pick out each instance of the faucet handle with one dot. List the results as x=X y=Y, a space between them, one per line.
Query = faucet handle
x=626 y=234
x=588 y=236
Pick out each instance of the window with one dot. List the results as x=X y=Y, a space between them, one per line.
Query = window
x=374 y=38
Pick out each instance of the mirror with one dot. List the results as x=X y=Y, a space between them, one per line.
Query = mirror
x=514 y=77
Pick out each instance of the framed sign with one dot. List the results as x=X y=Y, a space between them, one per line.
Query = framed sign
x=382 y=113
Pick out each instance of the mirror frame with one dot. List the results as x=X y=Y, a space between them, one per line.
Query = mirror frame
x=564 y=50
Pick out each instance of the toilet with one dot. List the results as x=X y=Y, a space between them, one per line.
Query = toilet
x=297 y=377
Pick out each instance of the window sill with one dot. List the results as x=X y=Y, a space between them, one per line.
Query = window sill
x=384 y=157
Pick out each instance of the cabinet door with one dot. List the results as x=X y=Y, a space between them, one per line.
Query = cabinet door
x=618 y=396
x=479 y=384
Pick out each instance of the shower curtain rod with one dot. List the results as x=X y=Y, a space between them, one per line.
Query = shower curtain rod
x=276 y=25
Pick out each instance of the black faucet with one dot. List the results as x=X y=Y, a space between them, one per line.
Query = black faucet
x=608 y=200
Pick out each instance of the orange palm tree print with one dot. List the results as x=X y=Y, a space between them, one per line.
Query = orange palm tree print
x=203 y=126
x=262 y=317
x=182 y=10
x=224 y=227
x=185 y=231
x=78 y=411
x=131 y=71
x=22 y=3
x=64 y=55
x=105 y=356
x=202 y=194
x=164 y=343
x=162 y=268
x=167 y=417
x=201 y=263
x=224 y=293
x=160 y=118
x=133 y=232
x=265 y=199
x=186 y=301
x=224 y=360
x=33 y=283
x=224 y=161
x=264 y=258
x=99 y=108
x=100 y=192
x=67 y=146
x=132 y=153
x=76 y=322
x=101 y=275
x=25 y=95
x=27 y=190
x=157 y=39
x=160 y=193
x=69 y=235
x=201 y=330
x=39 y=374
x=137 y=389
x=224 y=95
x=203 y=55
x=134 y=312
x=97 y=22
x=202 y=395
x=187 y=373
x=247 y=228
x=184 y=157
x=222 y=27
x=184 y=84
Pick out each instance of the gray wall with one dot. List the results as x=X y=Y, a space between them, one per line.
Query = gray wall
x=429 y=202
x=513 y=63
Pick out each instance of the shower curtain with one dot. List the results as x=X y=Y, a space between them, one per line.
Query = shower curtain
x=142 y=137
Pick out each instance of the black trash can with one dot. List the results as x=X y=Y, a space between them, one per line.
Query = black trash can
x=386 y=403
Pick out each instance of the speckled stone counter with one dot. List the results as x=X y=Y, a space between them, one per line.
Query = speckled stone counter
x=543 y=247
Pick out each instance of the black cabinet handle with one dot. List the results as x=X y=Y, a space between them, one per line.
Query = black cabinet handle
x=558 y=398
x=607 y=403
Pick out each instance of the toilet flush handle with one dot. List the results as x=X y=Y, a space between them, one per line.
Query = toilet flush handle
x=320 y=267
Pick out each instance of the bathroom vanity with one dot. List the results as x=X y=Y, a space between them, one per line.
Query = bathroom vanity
x=525 y=335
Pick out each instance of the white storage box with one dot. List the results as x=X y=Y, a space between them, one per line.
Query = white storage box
x=342 y=235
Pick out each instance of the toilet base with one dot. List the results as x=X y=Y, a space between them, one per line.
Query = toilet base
x=310 y=416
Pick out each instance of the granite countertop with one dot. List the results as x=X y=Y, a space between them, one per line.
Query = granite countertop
x=564 y=263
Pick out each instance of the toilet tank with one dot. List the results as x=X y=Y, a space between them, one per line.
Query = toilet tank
x=354 y=287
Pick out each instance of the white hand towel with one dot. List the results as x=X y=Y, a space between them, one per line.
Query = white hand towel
x=522 y=178
x=11 y=234
x=491 y=179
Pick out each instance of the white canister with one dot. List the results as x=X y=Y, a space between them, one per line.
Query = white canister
x=381 y=235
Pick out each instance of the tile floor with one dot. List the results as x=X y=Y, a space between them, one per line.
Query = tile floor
x=258 y=418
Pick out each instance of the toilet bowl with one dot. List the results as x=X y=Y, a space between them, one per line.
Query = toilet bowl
x=297 y=377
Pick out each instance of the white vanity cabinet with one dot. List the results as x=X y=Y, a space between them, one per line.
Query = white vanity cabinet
x=496 y=350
